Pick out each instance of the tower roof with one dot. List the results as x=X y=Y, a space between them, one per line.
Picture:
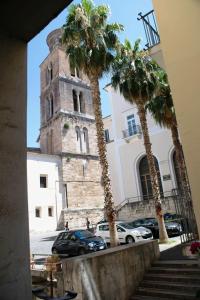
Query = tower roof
x=54 y=38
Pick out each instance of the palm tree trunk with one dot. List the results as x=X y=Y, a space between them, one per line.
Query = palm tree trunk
x=153 y=174
x=109 y=204
x=185 y=187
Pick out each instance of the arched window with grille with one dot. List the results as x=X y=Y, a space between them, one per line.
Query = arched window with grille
x=176 y=171
x=78 y=139
x=145 y=178
x=85 y=140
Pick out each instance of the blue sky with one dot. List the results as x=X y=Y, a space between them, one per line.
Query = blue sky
x=124 y=12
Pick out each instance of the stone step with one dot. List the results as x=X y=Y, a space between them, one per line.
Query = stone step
x=164 y=293
x=176 y=263
x=193 y=279
x=140 y=297
x=163 y=270
x=184 y=286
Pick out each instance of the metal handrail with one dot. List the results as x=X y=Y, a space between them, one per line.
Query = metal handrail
x=141 y=199
x=150 y=28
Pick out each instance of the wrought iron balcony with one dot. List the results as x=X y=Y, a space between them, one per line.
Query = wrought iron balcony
x=150 y=28
x=132 y=131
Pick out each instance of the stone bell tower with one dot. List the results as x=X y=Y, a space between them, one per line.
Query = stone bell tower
x=68 y=130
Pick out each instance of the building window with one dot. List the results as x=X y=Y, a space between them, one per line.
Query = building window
x=132 y=129
x=81 y=103
x=75 y=101
x=50 y=211
x=49 y=73
x=51 y=106
x=38 y=213
x=177 y=171
x=43 y=181
x=72 y=71
x=47 y=109
x=145 y=178
x=78 y=139
x=107 y=137
x=85 y=140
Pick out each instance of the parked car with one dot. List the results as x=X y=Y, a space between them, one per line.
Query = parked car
x=77 y=242
x=172 y=228
x=146 y=233
x=172 y=217
x=126 y=233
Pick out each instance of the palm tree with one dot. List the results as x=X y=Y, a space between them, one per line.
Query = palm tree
x=162 y=109
x=90 y=44
x=133 y=74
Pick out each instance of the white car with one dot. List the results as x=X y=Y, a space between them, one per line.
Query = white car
x=126 y=234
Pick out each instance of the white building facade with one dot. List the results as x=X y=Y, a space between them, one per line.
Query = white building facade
x=45 y=193
x=126 y=153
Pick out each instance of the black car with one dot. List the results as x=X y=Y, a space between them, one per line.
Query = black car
x=77 y=242
x=173 y=228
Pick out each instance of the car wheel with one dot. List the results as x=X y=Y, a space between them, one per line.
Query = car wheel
x=129 y=239
x=54 y=251
x=81 y=251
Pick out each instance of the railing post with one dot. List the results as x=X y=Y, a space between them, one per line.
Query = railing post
x=150 y=28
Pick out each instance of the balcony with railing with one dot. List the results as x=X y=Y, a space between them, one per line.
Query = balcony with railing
x=150 y=28
x=132 y=132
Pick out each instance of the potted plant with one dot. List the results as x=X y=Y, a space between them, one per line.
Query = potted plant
x=195 y=250
x=53 y=263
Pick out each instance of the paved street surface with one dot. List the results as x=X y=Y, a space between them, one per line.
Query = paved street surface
x=41 y=243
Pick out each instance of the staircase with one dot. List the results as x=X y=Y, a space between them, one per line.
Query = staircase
x=168 y=280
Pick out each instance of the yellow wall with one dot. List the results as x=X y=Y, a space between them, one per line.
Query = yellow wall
x=179 y=23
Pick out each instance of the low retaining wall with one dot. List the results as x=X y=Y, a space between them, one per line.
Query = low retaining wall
x=112 y=274
x=141 y=209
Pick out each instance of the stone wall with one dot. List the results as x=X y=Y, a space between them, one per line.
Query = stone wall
x=112 y=274
x=83 y=179
x=141 y=209
x=76 y=218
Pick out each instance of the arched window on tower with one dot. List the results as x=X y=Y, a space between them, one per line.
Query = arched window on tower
x=78 y=139
x=85 y=141
x=81 y=103
x=48 y=110
x=51 y=71
x=72 y=71
x=51 y=106
x=75 y=100
x=145 y=178
x=176 y=170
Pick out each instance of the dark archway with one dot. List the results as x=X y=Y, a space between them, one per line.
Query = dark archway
x=145 y=178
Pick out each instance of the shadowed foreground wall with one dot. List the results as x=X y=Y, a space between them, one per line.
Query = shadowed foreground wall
x=15 y=281
x=110 y=274
x=178 y=23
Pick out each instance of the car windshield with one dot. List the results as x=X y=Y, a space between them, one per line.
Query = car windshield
x=125 y=225
x=83 y=234
x=151 y=221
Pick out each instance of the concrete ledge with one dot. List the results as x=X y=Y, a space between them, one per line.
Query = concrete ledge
x=112 y=274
